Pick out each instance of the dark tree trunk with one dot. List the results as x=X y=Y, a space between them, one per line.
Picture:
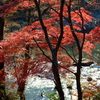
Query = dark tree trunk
x=1 y=28
x=57 y=77
x=21 y=94
x=78 y=86
x=52 y=49
x=21 y=88
x=78 y=81
x=2 y=77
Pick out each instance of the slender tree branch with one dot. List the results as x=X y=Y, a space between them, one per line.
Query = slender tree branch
x=43 y=26
x=73 y=53
x=59 y=14
x=82 y=27
x=68 y=53
x=45 y=10
x=82 y=19
x=61 y=25
x=42 y=50
x=71 y=26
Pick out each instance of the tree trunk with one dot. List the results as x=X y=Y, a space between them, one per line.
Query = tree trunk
x=21 y=94
x=78 y=83
x=21 y=88
x=57 y=77
x=2 y=77
x=21 y=83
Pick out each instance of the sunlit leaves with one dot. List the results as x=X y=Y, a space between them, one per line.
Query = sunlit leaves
x=88 y=47
x=25 y=4
x=17 y=42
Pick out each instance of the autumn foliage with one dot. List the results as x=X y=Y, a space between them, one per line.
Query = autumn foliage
x=17 y=41
x=57 y=31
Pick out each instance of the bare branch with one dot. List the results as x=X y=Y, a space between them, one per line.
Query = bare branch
x=71 y=26
x=59 y=14
x=61 y=25
x=68 y=53
x=43 y=26
x=82 y=28
x=73 y=53
x=42 y=50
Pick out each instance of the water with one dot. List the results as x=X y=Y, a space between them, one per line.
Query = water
x=39 y=86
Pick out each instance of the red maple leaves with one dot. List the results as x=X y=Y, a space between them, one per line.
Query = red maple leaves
x=17 y=42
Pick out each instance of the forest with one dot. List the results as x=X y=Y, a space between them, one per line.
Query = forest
x=49 y=50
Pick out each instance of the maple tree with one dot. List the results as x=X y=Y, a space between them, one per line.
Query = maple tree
x=5 y=9
x=3 y=12
x=75 y=38
x=8 y=61
x=52 y=35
